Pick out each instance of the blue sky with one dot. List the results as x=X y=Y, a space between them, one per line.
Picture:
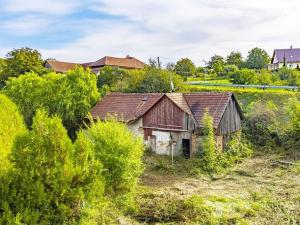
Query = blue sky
x=82 y=31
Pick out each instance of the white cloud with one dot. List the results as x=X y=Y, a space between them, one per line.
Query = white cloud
x=26 y=25
x=193 y=28
x=54 y=7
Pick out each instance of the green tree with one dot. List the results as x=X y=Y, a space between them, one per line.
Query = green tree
x=153 y=80
x=2 y=67
x=110 y=76
x=11 y=125
x=216 y=63
x=244 y=76
x=52 y=178
x=235 y=58
x=229 y=70
x=208 y=144
x=121 y=154
x=264 y=77
x=257 y=59
x=20 y=61
x=185 y=67
x=70 y=96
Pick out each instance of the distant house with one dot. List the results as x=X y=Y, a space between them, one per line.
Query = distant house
x=285 y=57
x=59 y=66
x=127 y=63
x=172 y=122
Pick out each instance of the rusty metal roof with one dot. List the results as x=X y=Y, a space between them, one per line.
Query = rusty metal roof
x=130 y=106
x=125 y=106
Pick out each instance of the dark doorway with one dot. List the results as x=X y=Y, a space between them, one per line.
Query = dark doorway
x=186 y=148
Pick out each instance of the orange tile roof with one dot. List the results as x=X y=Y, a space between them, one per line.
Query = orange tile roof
x=127 y=62
x=125 y=106
x=130 y=106
x=59 y=66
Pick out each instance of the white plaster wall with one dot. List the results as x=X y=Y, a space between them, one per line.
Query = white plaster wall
x=136 y=128
x=290 y=65
x=164 y=140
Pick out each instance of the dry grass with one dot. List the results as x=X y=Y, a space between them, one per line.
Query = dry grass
x=256 y=191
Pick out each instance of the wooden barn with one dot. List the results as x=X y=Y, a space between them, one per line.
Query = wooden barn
x=171 y=123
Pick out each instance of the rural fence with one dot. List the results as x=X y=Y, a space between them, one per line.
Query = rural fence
x=264 y=87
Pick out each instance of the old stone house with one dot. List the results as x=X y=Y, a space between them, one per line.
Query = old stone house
x=171 y=123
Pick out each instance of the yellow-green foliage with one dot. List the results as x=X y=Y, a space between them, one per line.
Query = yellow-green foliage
x=152 y=80
x=208 y=144
x=69 y=95
x=214 y=159
x=52 y=179
x=11 y=124
x=121 y=154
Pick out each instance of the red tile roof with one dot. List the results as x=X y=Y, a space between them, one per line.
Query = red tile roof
x=127 y=107
x=130 y=106
x=127 y=62
x=215 y=103
x=59 y=66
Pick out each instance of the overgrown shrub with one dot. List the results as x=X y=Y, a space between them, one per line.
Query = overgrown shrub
x=69 y=96
x=52 y=179
x=293 y=134
x=208 y=144
x=263 y=124
x=121 y=154
x=152 y=80
x=236 y=149
x=214 y=159
x=11 y=125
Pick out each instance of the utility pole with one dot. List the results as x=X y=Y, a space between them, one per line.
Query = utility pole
x=158 y=62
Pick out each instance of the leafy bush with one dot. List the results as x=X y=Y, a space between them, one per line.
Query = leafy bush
x=293 y=133
x=262 y=125
x=291 y=76
x=236 y=149
x=214 y=159
x=52 y=178
x=11 y=125
x=110 y=76
x=244 y=76
x=208 y=144
x=152 y=80
x=70 y=96
x=121 y=154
